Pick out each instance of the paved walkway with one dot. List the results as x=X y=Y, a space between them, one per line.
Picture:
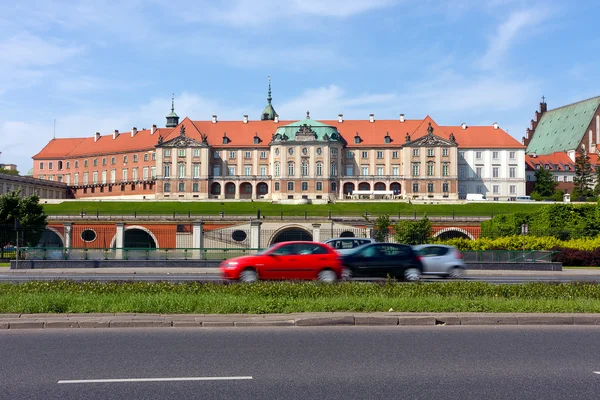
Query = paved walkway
x=47 y=321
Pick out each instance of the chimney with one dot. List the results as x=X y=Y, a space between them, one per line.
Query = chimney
x=340 y=118
x=276 y=119
x=153 y=129
x=214 y=120
x=463 y=126
x=96 y=137
x=115 y=134
x=133 y=131
x=245 y=119
x=401 y=117
x=496 y=126
x=371 y=117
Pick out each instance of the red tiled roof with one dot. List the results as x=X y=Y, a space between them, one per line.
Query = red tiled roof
x=484 y=137
x=239 y=133
x=57 y=148
x=372 y=133
x=242 y=134
x=559 y=159
x=81 y=147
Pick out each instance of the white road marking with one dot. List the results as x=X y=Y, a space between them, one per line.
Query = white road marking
x=193 y=378
x=596 y=372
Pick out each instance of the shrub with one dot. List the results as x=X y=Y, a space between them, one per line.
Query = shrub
x=576 y=258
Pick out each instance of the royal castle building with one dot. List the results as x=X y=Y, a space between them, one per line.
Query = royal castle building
x=289 y=160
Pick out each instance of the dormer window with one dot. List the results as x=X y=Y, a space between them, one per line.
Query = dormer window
x=226 y=140
x=387 y=139
x=256 y=139
x=357 y=139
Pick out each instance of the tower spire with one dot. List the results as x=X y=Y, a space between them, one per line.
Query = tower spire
x=172 y=118
x=268 y=113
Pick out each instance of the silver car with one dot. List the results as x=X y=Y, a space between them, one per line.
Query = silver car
x=439 y=259
x=346 y=245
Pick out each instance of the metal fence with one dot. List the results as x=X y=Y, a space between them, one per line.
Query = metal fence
x=217 y=254
x=507 y=256
x=133 y=254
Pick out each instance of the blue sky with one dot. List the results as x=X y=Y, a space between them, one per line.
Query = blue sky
x=102 y=65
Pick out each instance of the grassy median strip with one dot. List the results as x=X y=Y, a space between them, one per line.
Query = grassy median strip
x=270 y=209
x=288 y=297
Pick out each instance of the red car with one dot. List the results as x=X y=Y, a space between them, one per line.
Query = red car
x=286 y=260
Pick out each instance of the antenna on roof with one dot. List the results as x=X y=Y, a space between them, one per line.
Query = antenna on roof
x=54 y=137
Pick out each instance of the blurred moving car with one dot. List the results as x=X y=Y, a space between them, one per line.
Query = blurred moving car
x=286 y=260
x=347 y=245
x=398 y=261
x=439 y=259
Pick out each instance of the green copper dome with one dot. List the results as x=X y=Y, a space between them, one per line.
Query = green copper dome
x=307 y=130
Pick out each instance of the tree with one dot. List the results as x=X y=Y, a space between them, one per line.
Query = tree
x=583 y=177
x=597 y=178
x=545 y=185
x=382 y=228
x=413 y=232
x=28 y=212
x=8 y=171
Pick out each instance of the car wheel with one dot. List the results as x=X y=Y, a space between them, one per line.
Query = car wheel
x=412 y=274
x=327 y=276
x=456 y=273
x=346 y=274
x=249 y=275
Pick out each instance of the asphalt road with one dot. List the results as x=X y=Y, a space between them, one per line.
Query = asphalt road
x=501 y=278
x=440 y=362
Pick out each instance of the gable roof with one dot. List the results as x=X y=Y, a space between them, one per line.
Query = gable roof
x=563 y=128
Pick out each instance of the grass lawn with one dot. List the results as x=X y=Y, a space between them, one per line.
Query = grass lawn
x=4 y=265
x=286 y=297
x=268 y=209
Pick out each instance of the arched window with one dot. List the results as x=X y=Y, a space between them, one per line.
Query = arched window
x=304 y=169
x=290 y=169
x=319 y=169
x=277 y=169
x=167 y=187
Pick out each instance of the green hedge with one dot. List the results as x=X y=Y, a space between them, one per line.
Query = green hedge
x=518 y=242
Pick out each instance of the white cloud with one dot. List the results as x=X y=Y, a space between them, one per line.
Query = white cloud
x=329 y=101
x=29 y=59
x=23 y=139
x=507 y=33
x=257 y=12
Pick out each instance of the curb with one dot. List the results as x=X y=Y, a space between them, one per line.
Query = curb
x=53 y=321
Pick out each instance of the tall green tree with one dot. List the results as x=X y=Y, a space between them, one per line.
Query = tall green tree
x=545 y=185
x=584 y=177
x=382 y=228
x=414 y=232
x=30 y=216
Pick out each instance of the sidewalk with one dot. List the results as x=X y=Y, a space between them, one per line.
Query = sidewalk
x=213 y=271
x=48 y=321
